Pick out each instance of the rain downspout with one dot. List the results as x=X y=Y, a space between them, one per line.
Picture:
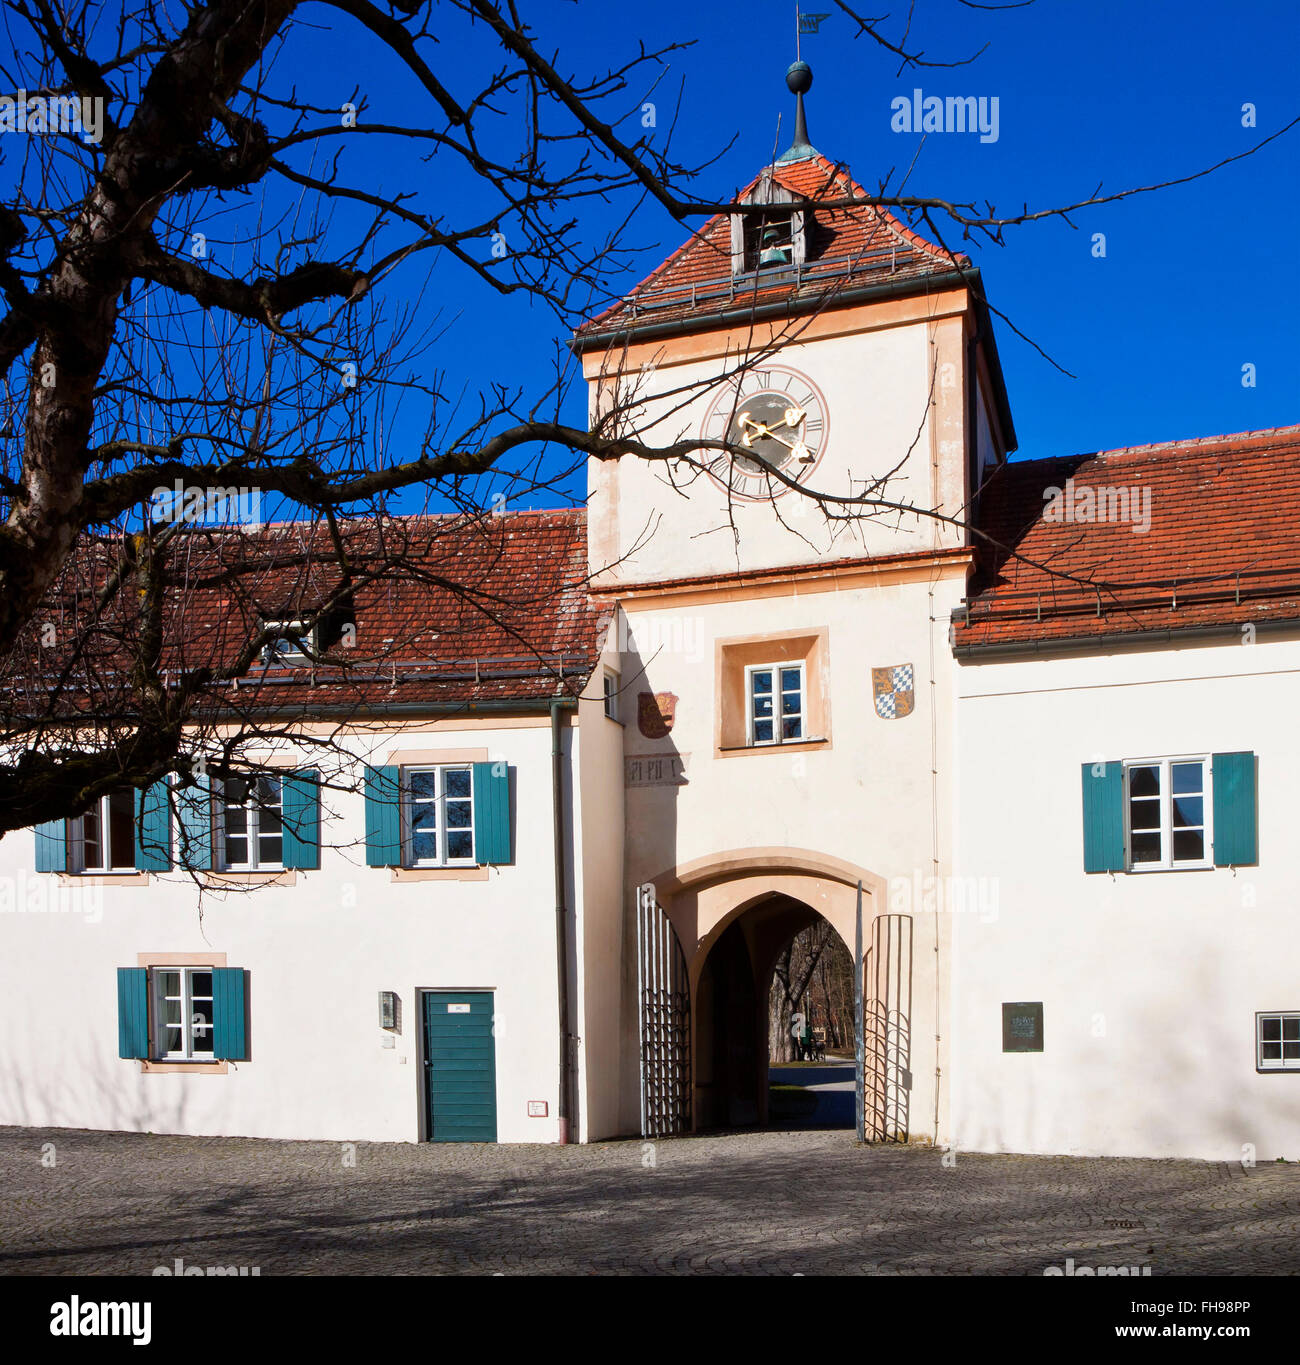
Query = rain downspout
x=566 y=1101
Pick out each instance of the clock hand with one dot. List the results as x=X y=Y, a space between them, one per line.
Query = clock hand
x=760 y=429
x=747 y=439
x=793 y=416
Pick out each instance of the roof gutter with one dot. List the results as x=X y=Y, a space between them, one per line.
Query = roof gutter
x=1104 y=644
x=519 y=706
x=985 y=338
x=725 y=317
x=522 y=706
x=865 y=293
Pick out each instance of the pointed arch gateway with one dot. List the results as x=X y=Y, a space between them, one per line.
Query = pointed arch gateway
x=712 y=925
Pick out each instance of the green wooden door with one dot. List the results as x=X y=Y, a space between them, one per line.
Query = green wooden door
x=460 y=1069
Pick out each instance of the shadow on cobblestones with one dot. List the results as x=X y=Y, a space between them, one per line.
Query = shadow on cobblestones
x=770 y=1203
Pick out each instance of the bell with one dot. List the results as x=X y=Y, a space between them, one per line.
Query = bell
x=773 y=252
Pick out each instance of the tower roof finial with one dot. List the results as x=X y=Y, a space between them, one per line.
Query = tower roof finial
x=799 y=79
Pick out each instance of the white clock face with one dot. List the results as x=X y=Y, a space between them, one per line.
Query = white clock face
x=777 y=413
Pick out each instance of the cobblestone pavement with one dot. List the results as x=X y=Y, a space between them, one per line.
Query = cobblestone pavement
x=765 y=1203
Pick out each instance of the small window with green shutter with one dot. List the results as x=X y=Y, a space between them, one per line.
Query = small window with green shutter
x=183 y=1014
x=250 y=825
x=102 y=839
x=1170 y=814
x=174 y=1013
x=438 y=816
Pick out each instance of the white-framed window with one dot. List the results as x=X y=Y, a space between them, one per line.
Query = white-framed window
x=1167 y=813
x=250 y=829
x=284 y=651
x=438 y=816
x=103 y=839
x=1277 y=1041
x=182 y=1013
x=775 y=701
x=612 y=686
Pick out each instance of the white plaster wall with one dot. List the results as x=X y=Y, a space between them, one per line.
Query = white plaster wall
x=599 y=767
x=1149 y=982
x=872 y=798
x=317 y=953
x=878 y=389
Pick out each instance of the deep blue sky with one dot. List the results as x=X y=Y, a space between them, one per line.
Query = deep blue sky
x=1197 y=281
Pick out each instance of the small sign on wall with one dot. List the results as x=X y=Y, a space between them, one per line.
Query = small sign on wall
x=1022 y=1026
x=655 y=770
x=457 y=1009
x=537 y=1109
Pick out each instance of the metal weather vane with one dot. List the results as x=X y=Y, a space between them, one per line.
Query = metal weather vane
x=806 y=23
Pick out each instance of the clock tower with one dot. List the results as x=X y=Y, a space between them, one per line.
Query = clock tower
x=851 y=356
x=778 y=663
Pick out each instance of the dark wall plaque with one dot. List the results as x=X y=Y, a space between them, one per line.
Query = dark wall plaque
x=1022 y=1026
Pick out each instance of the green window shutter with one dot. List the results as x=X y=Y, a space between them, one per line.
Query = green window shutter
x=1236 y=814
x=52 y=846
x=300 y=794
x=492 y=842
x=229 y=1041
x=1103 y=817
x=133 y=1012
x=383 y=817
x=153 y=829
x=194 y=816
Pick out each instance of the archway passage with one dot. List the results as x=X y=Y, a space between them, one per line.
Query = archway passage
x=733 y=1022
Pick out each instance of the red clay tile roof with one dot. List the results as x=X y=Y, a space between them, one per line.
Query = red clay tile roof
x=447 y=609
x=849 y=247
x=1222 y=548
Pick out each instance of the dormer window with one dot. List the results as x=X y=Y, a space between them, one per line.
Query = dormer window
x=775 y=240
x=290 y=649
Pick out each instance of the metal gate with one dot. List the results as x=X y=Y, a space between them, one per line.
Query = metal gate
x=887 y=1032
x=664 y=1006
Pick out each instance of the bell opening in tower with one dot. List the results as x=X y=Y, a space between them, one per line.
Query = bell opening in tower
x=769 y=241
